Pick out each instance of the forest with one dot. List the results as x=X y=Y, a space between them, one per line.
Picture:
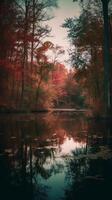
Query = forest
x=32 y=80
x=55 y=100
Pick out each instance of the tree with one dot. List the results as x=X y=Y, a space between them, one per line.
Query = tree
x=88 y=50
x=23 y=20
x=8 y=13
x=86 y=54
x=74 y=97
x=43 y=67
x=107 y=78
x=107 y=69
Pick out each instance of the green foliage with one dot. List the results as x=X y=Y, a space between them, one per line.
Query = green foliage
x=86 y=36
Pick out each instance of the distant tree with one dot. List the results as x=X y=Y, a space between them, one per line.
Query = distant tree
x=74 y=93
x=43 y=66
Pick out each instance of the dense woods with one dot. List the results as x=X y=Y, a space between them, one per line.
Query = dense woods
x=31 y=80
x=55 y=99
x=90 y=37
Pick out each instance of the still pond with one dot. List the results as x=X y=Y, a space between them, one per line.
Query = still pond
x=55 y=156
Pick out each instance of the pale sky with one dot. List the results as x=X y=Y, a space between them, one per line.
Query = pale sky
x=67 y=8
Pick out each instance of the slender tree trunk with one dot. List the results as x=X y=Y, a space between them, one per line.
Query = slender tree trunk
x=33 y=31
x=25 y=51
x=107 y=70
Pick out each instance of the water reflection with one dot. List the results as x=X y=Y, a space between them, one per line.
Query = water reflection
x=69 y=145
x=54 y=157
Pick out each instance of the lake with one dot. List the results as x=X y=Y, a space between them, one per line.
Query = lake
x=55 y=156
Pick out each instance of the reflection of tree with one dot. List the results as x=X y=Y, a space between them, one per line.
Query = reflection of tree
x=77 y=164
x=45 y=156
x=32 y=147
x=89 y=173
x=88 y=179
x=42 y=155
x=99 y=134
x=16 y=168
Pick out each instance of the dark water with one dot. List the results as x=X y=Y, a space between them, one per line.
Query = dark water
x=55 y=157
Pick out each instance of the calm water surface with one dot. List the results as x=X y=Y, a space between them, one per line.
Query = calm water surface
x=55 y=157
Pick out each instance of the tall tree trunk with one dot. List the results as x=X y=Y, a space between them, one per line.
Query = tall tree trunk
x=25 y=50
x=33 y=32
x=107 y=70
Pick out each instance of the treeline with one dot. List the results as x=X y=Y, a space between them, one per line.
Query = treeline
x=86 y=35
x=29 y=80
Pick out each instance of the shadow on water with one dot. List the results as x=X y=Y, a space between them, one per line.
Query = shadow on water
x=55 y=156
